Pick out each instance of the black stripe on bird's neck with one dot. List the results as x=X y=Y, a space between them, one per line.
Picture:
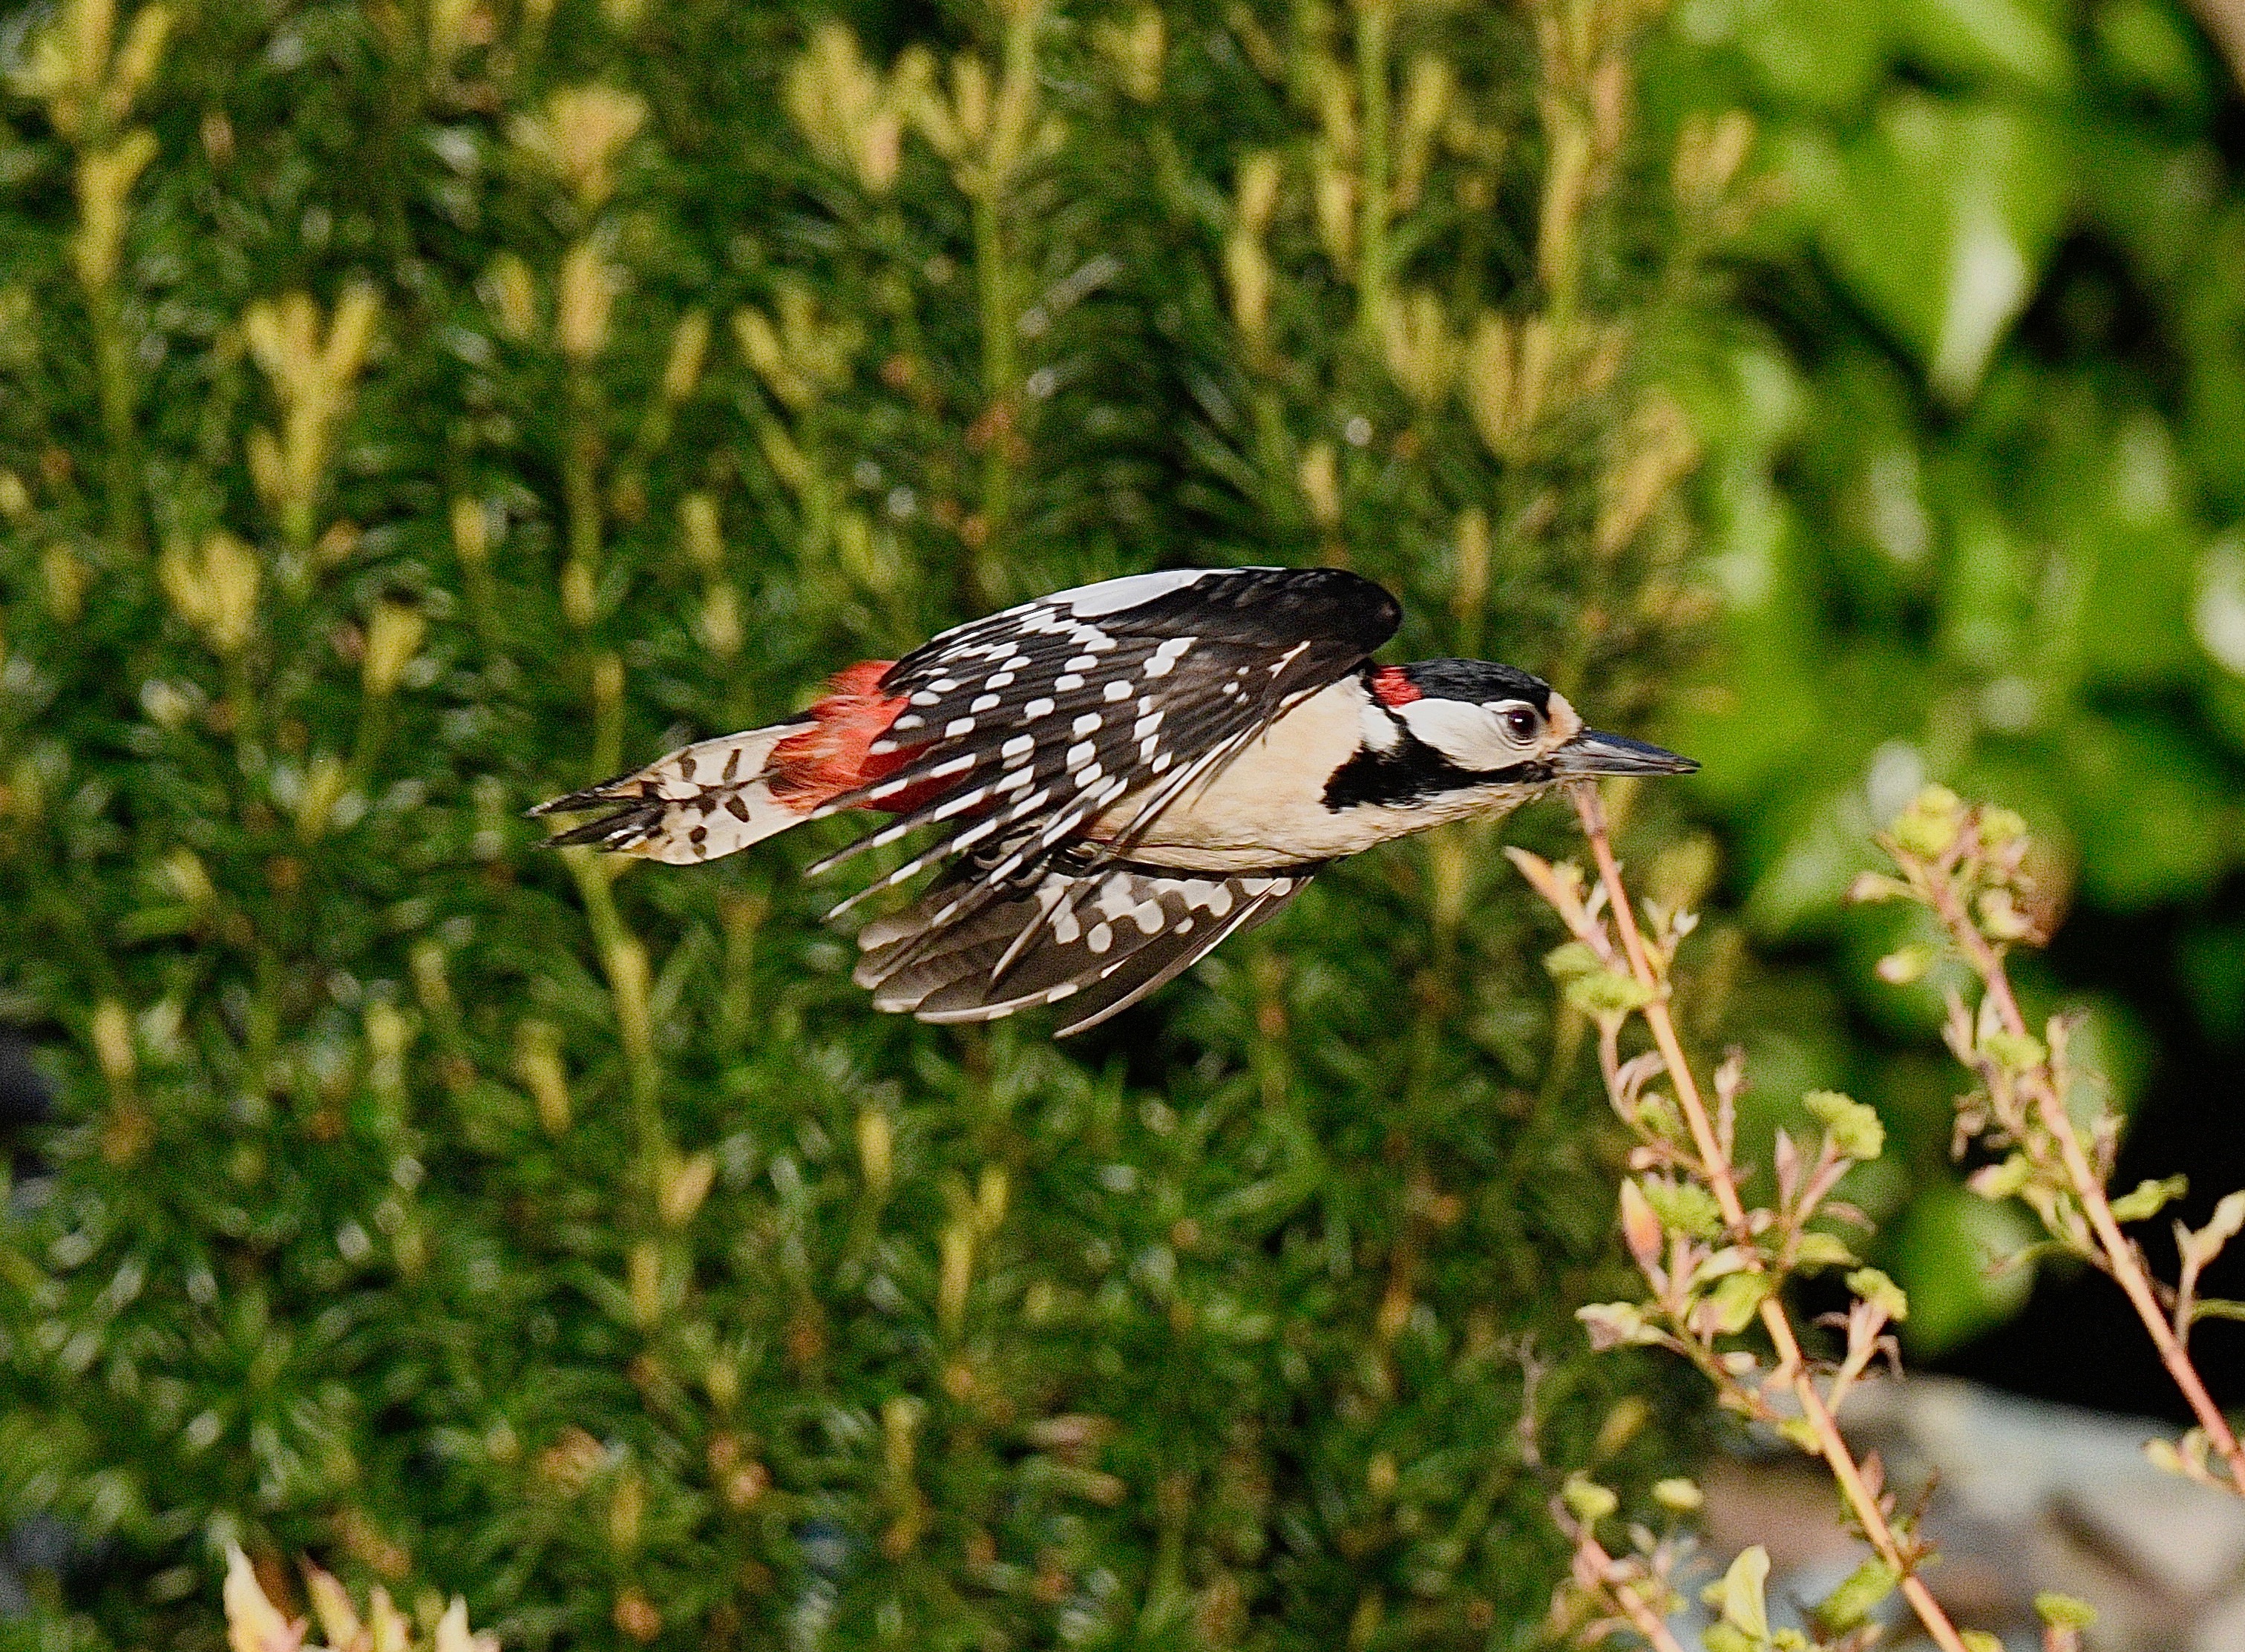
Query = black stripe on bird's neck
x=1414 y=771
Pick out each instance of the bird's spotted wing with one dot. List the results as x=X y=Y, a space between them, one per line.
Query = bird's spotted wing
x=1033 y=722
x=1095 y=935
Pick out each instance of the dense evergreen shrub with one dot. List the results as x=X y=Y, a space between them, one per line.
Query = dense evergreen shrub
x=410 y=411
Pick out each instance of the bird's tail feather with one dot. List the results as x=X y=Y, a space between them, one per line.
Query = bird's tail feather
x=697 y=804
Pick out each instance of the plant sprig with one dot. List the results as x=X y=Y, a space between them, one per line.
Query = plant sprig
x=1966 y=864
x=1714 y=1267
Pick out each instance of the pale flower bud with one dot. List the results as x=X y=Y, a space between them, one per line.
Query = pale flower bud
x=685 y=1184
x=1640 y=1226
x=956 y=1272
x=325 y=782
x=112 y=1043
x=136 y=59
x=719 y=625
x=689 y=346
x=1321 y=484
x=511 y=292
x=214 y=590
x=471 y=532
x=990 y=1192
x=876 y=1142
x=579 y=134
x=587 y=295
x=105 y=177
x=393 y=637
x=537 y=1064
x=1257 y=194
x=1135 y=50
x=697 y=523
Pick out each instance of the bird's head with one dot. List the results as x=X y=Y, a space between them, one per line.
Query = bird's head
x=1500 y=724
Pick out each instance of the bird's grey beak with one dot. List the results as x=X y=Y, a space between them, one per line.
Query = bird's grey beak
x=1593 y=753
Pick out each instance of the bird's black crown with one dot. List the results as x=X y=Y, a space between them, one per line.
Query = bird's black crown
x=1478 y=682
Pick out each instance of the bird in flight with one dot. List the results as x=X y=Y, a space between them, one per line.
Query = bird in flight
x=1122 y=776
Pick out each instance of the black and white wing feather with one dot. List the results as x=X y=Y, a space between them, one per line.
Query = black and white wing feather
x=1097 y=935
x=1037 y=720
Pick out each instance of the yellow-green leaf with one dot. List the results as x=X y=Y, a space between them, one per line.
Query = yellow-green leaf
x=1874 y=1287
x=1852 y=1603
x=1739 y=1596
x=1855 y=1129
x=1566 y=961
x=1601 y=992
x=2014 y=1051
x=2148 y=1198
x=1587 y=1500
x=1818 y=1249
x=1736 y=1298
x=1685 y=1206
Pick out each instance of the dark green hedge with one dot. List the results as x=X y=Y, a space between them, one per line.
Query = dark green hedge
x=459 y=402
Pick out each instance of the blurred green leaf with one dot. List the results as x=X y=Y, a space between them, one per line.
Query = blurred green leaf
x=1945 y=1250
x=1943 y=216
x=2020 y=40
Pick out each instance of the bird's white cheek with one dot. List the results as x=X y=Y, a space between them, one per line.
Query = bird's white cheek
x=1466 y=735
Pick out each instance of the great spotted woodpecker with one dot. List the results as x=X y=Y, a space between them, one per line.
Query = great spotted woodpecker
x=1126 y=774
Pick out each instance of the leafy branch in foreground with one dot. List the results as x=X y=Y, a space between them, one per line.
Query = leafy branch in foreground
x=1713 y=1268
x=2058 y=1136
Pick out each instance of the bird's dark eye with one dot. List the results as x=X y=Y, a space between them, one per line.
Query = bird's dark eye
x=1521 y=723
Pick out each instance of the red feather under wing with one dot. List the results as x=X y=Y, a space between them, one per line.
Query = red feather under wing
x=834 y=755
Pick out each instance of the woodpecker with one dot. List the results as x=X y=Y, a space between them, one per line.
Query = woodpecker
x=1121 y=775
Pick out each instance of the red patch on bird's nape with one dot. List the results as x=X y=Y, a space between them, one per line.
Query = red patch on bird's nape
x=1391 y=686
x=834 y=755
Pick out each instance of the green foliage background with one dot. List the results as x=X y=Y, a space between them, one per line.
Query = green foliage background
x=413 y=410
x=1975 y=474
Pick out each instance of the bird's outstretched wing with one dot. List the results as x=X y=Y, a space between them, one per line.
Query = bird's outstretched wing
x=1020 y=728
x=1097 y=935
